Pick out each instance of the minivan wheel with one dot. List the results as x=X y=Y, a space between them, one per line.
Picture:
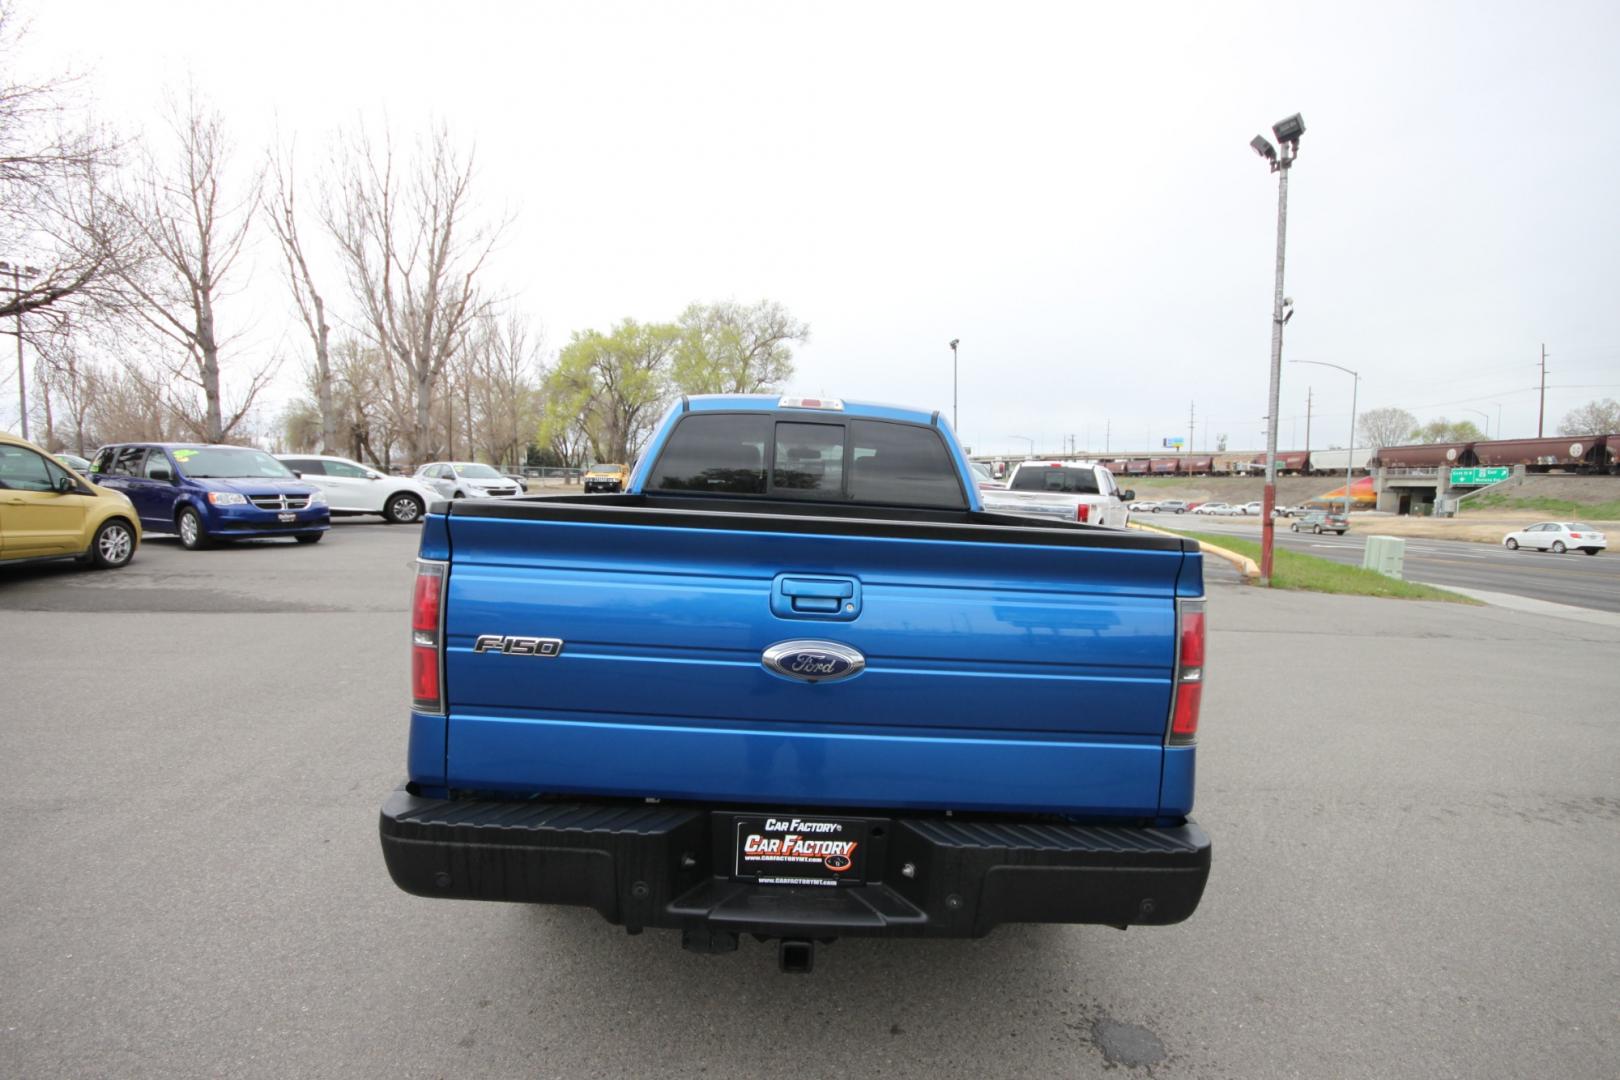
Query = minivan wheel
x=403 y=509
x=113 y=546
x=193 y=537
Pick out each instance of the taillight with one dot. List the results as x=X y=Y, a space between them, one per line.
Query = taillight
x=1082 y=512
x=427 y=695
x=1574 y=536
x=1189 y=675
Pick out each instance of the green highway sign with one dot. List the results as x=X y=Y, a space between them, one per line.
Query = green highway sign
x=1479 y=477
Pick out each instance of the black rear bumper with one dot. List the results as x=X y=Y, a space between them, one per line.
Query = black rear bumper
x=663 y=865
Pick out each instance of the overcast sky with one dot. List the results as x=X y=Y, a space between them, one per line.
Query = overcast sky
x=1067 y=188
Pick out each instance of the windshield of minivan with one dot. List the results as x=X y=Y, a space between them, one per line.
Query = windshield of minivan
x=228 y=463
x=479 y=472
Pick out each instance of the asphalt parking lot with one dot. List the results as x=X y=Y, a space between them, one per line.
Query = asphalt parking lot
x=1415 y=810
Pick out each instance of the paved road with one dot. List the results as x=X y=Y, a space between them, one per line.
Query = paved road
x=1417 y=879
x=1573 y=578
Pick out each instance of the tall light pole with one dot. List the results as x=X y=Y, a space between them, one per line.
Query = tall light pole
x=954 y=342
x=1350 y=454
x=17 y=271
x=1487 y=416
x=1281 y=159
x=1027 y=439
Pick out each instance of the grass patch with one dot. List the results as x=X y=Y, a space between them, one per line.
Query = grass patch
x=1553 y=508
x=1295 y=570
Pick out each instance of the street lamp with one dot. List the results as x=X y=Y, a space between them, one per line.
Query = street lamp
x=953 y=386
x=1280 y=158
x=1027 y=439
x=1487 y=416
x=1350 y=459
x=17 y=273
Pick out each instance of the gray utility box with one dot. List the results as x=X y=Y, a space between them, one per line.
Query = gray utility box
x=1385 y=554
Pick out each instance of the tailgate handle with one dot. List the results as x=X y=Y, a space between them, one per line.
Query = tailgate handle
x=797 y=597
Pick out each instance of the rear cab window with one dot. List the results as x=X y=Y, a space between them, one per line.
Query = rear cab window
x=1057 y=478
x=853 y=460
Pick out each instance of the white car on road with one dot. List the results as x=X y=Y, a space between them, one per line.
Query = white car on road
x=1557 y=537
x=1213 y=508
x=353 y=488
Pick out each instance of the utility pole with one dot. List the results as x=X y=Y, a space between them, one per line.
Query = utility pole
x=1308 y=424
x=17 y=272
x=954 y=343
x=1541 y=415
x=1192 y=427
x=1108 y=430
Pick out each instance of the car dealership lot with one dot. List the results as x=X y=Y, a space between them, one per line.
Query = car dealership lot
x=1415 y=819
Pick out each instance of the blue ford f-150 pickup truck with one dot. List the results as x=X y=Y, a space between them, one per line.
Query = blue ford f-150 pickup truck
x=794 y=682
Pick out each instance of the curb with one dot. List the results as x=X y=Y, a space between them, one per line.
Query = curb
x=1244 y=564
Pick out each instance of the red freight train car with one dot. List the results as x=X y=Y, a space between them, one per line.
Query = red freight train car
x=1427 y=456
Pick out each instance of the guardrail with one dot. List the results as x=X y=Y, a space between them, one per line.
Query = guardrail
x=1411 y=472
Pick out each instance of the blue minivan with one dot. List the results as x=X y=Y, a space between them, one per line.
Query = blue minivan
x=207 y=493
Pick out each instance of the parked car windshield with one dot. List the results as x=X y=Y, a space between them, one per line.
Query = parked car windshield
x=228 y=462
x=479 y=472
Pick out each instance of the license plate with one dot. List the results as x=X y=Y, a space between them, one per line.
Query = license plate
x=794 y=849
x=288 y=517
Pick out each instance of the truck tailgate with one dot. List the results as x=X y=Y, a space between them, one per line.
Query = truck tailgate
x=1005 y=667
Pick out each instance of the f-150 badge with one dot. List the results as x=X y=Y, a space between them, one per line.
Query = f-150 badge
x=813 y=661
x=518 y=646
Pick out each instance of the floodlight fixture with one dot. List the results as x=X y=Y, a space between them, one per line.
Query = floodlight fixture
x=1289 y=129
x=1263 y=147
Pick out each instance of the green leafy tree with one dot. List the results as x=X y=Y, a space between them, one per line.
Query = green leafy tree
x=732 y=348
x=1445 y=431
x=607 y=390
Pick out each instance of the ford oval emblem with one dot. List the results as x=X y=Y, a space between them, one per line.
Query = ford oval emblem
x=813 y=661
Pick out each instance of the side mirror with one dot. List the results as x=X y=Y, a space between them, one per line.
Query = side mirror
x=162 y=474
x=1128 y=494
x=65 y=485
x=296 y=474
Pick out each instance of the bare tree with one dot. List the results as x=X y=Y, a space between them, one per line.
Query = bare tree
x=130 y=406
x=1389 y=426
x=49 y=159
x=504 y=386
x=282 y=212
x=1593 y=418
x=413 y=253
x=192 y=231
x=73 y=383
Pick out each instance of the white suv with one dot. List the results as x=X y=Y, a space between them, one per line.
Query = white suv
x=352 y=488
x=467 y=480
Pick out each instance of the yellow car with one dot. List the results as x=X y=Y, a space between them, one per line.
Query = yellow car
x=606 y=478
x=50 y=512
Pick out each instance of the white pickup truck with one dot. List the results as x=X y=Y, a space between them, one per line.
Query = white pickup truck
x=1069 y=490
